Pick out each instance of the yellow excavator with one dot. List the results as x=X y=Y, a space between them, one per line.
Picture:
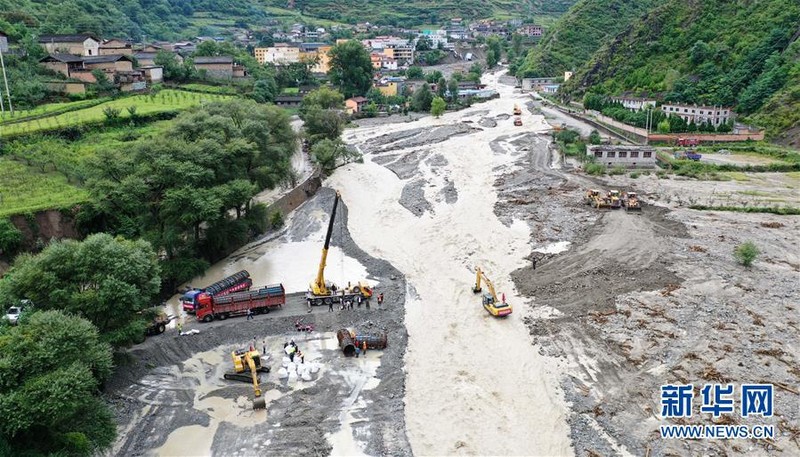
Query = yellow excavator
x=324 y=292
x=490 y=302
x=244 y=361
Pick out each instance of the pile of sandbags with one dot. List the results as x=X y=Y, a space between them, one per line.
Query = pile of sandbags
x=292 y=371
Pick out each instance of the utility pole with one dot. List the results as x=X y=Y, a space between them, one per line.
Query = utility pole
x=2 y=105
x=5 y=80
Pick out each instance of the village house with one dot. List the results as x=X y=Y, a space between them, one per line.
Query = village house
x=280 y=54
x=62 y=63
x=623 y=156
x=634 y=103
x=536 y=84
x=109 y=64
x=79 y=45
x=530 y=30
x=355 y=105
x=219 y=67
x=114 y=46
x=715 y=115
x=288 y=101
x=153 y=74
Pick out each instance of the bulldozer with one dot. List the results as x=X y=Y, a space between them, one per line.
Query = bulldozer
x=324 y=292
x=591 y=196
x=246 y=366
x=614 y=197
x=491 y=304
x=631 y=201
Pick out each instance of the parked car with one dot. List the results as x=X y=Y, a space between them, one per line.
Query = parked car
x=12 y=315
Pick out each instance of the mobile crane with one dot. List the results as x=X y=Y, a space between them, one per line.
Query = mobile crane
x=244 y=360
x=490 y=302
x=324 y=292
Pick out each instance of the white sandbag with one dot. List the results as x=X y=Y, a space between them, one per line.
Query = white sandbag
x=292 y=367
x=314 y=368
x=285 y=361
x=292 y=376
x=282 y=373
x=306 y=376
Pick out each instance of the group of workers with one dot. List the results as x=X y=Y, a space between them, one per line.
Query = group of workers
x=293 y=351
x=348 y=304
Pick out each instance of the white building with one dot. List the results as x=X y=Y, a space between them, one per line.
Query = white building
x=634 y=103
x=716 y=115
x=280 y=54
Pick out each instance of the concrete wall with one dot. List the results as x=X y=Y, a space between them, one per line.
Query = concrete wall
x=296 y=196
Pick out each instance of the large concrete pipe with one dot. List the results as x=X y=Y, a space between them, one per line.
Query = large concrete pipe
x=373 y=340
x=346 y=342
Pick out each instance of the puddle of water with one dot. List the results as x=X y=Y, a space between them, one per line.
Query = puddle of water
x=554 y=248
x=192 y=440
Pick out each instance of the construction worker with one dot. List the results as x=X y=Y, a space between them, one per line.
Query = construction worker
x=308 y=302
x=330 y=306
x=364 y=347
x=380 y=299
x=534 y=262
x=180 y=328
x=249 y=314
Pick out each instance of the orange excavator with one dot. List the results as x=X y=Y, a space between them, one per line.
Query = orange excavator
x=490 y=302
x=243 y=361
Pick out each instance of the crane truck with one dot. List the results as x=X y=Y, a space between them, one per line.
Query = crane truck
x=325 y=292
x=259 y=301
x=246 y=366
x=492 y=305
x=236 y=282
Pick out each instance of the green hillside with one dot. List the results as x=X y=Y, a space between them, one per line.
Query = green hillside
x=416 y=12
x=579 y=33
x=157 y=19
x=712 y=52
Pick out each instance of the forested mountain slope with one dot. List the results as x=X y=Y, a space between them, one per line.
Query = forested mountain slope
x=579 y=33
x=714 y=52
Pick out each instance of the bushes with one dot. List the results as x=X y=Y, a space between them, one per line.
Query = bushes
x=595 y=169
x=746 y=253
x=276 y=219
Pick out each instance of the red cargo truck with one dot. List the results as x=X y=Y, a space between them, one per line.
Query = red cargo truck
x=236 y=282
x=236 y=304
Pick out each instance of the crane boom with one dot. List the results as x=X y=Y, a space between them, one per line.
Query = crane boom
x=319 y=287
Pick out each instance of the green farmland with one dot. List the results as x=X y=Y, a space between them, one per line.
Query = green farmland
x=24 y=189
x=164 y=101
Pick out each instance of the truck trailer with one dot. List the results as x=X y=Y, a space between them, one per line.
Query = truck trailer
x=236 y=282
x=258 y=301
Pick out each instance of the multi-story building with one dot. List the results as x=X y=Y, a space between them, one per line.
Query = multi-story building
x=318 y=52
x=531 y=30
x=715 y=115
x=280 y=54
x=634 y=103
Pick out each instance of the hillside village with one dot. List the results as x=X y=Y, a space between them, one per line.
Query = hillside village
x=279 y=229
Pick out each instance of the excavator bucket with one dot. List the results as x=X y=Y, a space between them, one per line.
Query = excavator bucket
x=259 y=403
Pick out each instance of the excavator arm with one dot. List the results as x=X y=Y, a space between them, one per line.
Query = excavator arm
x=490 y=286
x=258 y=402
x=477 y=287
x=318 y=287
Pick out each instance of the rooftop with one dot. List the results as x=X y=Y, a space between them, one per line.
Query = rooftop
x=65 y=58
x=215 y=59
x=107 y=58
x=66 y=38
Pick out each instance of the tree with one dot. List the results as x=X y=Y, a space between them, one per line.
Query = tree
x=351 y=68
x=324 y=124
x=663 y=126
x=264 y=90
x=414 y=72
x=423 y=44
x=421 y=102
x=746 y=253
x=438 y=105
x=441 y=87
x=322 y=98
x=50 y=371
x=433 y=76
x=491 y=58
x=103 y=279
x=172 y=69
x=594 y=137
x=102 y=81
x=328 y=153
x=452 y=88
x=10 y=238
